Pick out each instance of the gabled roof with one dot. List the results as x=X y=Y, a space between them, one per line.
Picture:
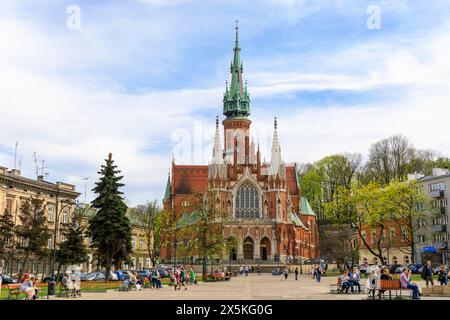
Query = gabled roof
x=297 y=220
x=188 y=218
x=306 y=207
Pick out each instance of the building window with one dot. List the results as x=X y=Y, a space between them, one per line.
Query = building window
x=9 y=205
x=440 y=220
x=50 y=213
x=441 y=203
x=392 y=234
x=247 y=202
x=437 y=186
x=404 y=233
x=141 y=244
x=374 y=236
x=421 y=223
x=65 y=216
x=50 y=243
x=185 y=203
x=406 y=259
x=394 y=258
x=133 y=242
x=421 y=239
x=63 y=238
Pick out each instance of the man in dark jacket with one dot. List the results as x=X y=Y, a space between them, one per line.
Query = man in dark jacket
x=427 y=273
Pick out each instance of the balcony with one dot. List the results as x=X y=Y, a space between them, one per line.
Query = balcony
x=437 y=194
x=443 y=210
x=439 y=228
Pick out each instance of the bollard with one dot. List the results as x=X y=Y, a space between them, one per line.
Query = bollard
x=51 y=287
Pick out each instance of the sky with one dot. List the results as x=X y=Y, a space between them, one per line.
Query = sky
x=144 y=80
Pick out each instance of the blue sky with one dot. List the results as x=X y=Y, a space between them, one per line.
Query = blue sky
x=140 y=75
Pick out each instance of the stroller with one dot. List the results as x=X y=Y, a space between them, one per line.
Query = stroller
x=126 y=286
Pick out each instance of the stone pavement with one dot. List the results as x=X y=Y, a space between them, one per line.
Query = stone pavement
x=252 y=287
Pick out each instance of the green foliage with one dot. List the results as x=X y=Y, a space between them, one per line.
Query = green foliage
x=33 y=234
x=110 y=228
x=321 y=180
x=204 y=231
x=6 y=234
x=375 y=206
x=72 y=250
x=157 y=224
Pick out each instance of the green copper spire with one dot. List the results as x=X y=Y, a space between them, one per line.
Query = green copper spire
x=236 y=100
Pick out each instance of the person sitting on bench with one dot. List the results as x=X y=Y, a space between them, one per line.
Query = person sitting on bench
x=345 y=282
x=355 y=279
x=407 y=283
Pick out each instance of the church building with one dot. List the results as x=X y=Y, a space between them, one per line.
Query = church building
x=267 y=215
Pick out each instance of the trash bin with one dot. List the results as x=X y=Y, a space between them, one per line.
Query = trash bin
x=52 y=287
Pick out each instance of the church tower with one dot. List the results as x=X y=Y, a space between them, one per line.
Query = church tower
x=236 y=108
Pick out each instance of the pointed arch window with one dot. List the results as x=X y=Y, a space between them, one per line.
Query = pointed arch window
x=247 y=202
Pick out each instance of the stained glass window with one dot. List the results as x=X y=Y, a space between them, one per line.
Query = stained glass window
x=247 y=202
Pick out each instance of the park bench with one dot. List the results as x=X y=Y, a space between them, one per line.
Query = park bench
x=391 y=286
x=336 y=287
x=218 y=276
x=14 y=290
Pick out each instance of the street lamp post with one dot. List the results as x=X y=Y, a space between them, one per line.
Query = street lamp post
x=175 y=243
x=55 y=231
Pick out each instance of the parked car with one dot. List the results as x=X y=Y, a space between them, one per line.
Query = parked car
x=414 y=268
x=141 y=274
x=95 y=276
x=7 y=279
x=362 y=268
x=29 y=275
x=127 y=273
x=372 y=267
x=120 y=275
x=58 y=277
x=399 y=269
x=163 y=272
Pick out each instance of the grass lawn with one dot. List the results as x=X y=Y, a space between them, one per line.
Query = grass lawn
x=92 y=287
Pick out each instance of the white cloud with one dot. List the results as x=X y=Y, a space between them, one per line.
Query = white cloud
x=51 y=103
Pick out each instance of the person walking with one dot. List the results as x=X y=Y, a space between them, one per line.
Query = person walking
x=241 y=270
x=296 y=273
x=154 y=278
x=318 y=274
x=313 y=271
x=191 y=276
x=408 y=284
x=443 y=276
x=286 y=273
x=258 y=269
x=183 y=278
x=427 y=273
x=246 y=270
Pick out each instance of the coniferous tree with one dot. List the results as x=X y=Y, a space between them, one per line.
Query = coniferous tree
x=6 y=237
x=72 y=250
x=33 y=233
x=110 y=228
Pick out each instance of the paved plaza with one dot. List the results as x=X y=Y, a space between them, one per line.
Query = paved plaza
x=253 y=287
